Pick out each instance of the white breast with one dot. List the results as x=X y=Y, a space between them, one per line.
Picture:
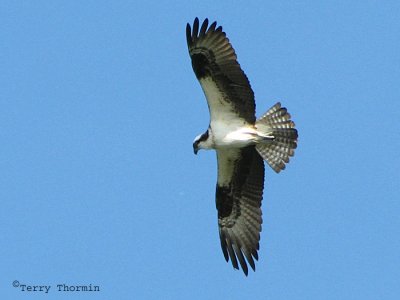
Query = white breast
x=227 y=127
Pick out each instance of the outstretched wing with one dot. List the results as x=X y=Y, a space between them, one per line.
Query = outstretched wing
x=238 y=200
x=224 y=83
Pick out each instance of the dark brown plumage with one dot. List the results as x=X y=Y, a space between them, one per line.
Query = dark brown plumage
x=213 y=56
x=241 y=141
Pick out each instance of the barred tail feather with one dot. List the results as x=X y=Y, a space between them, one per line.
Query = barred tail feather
x=276 y=151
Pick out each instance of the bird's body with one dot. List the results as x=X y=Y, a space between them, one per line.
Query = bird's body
x=241 y=141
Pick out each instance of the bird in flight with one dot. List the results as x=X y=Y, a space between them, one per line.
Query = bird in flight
x=241 y=141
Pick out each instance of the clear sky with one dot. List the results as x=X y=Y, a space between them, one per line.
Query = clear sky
x=99 y=184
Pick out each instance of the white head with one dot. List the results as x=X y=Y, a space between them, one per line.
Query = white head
x=202 y=141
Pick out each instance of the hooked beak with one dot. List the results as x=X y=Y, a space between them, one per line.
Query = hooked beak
x=195 y=149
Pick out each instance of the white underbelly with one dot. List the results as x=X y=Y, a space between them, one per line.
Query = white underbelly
x=233 y=135
x=228 y=129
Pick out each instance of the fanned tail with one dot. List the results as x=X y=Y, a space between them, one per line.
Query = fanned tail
x=276 y=123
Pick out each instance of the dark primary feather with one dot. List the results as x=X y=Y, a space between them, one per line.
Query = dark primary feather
x=212 y=56
x=239 y=205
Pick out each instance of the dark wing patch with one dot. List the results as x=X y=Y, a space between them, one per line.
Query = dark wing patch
x=213 y=56
x=239 y=207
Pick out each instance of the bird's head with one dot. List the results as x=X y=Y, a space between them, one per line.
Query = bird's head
x=202 y=141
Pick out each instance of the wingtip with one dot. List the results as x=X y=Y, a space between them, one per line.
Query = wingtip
x=196 y=25
x=203 y=28
x=188 y=34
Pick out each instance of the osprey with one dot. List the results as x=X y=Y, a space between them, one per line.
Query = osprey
x=241 y=141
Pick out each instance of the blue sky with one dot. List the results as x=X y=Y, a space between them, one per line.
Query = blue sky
x=98 y=181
